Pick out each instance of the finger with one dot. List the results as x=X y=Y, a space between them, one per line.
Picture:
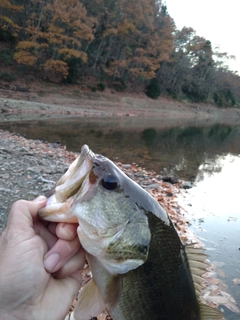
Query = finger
x=52 y=226
x=49 y=238
x=60 y=253
x=23 y=212
x=66 y=231
x=73 y=267
x=39 y=199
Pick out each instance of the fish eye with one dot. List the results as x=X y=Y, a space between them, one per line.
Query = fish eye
x=109 y=182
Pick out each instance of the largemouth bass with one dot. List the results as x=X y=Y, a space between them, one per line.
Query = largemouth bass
x=140 y=268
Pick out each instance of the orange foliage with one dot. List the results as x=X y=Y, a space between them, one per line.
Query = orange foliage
x=68 y=53
x=6 y=4
x=57 y=68
x=25 y=57
x=58 y=28
x=142 y=38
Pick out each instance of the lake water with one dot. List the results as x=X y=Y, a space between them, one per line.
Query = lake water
x=207 y=155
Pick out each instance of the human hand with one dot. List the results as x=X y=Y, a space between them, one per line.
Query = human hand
x=40 y=265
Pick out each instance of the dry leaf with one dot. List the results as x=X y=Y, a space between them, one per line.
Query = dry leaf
x=221 y=273
x=236 y=281
x=213 y=280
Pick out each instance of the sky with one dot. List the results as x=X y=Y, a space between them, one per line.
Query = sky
x=215 y=20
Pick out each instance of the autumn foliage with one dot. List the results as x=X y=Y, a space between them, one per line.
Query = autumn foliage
x=123 y=39
x=126 y=42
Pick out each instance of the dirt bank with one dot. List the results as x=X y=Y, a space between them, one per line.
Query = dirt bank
x=61 y=101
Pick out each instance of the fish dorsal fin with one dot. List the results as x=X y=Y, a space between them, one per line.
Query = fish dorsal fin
x=198 y=264
x=208 y=313
x=90 y=303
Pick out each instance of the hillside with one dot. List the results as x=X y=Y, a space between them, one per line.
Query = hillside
x=128 y=46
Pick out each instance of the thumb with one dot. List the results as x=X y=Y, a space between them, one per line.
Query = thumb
x=39 y=199
x=23 y=212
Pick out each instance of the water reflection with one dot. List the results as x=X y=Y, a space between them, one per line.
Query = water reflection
x=214 y=211
x=154 y=145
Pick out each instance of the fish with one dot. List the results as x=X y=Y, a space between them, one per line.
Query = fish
x=140 y=268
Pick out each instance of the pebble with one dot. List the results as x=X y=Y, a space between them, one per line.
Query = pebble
x=187 y=185
x=127 y=166
x=28 y=168
x=153 y=186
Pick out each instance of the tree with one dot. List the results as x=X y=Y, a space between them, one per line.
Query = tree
x=131 y=39
x=54 y=33
x=190 y=73
x=120 y=42
x=153 y=89
x=142 y=37
x=9 y=29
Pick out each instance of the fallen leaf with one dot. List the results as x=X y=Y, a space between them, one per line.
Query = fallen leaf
x=221 y=273
x=213 y=281
x=236 y=281
x=218 y=263
x=233 y=307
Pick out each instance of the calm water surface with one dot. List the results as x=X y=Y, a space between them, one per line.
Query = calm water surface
x=208 y=155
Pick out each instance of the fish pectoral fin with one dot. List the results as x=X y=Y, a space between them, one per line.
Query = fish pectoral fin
x=113 y=291
x=208 y=313
x=90 y=303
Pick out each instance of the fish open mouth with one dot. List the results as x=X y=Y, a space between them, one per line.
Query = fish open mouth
x=62 y=195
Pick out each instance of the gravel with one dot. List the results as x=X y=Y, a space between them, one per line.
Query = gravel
x=28 y=168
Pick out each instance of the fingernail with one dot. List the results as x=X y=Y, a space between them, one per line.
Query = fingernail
x=39 y=199
x=51 y=262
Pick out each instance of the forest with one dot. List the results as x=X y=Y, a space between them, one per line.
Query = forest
x=123 y=44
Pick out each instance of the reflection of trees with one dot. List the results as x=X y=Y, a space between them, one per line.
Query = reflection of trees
x=181 y=149
x=149 y=136
x=189 y=147
x=221 y=132
x=209 y=167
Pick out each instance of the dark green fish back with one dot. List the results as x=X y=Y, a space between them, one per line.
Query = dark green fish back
x=162 y=288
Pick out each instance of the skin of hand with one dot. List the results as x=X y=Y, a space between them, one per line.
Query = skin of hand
x=40 y=265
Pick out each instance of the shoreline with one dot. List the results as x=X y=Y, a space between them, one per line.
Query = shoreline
x=61 y=102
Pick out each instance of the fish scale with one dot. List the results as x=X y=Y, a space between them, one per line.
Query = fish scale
x=164 y=281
